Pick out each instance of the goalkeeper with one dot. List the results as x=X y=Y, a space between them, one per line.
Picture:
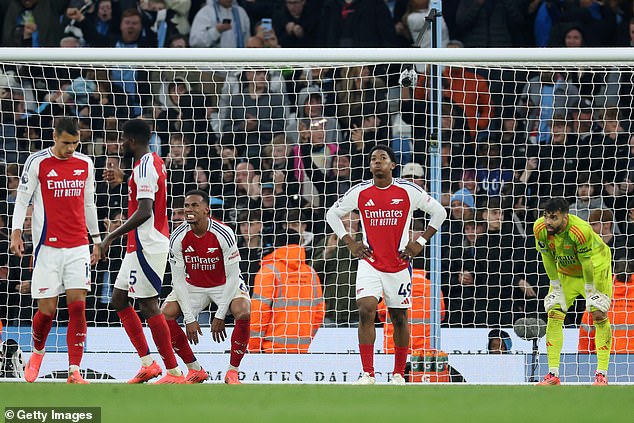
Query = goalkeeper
x=577 y=262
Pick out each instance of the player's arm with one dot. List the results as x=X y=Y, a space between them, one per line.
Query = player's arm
x=90 y=209
x=437 y=215
x=179 y=284
x=343 y=206
x=28 y=182
x=556 y=294
x=232 y=282
x=146 y=189
x=584 y=240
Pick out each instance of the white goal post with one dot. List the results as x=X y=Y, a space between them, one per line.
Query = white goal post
x=514 y=127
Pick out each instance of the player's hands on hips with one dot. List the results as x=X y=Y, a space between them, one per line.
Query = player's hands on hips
x=96 y=254
x=555 y=297
x=218 y=333
x=597 y=299
x=17 y=244
x=412 y=249
x=193 y=329
x=360 y=250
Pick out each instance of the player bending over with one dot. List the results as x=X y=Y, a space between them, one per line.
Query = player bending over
x=386 y=206
x=143 y=267
x=205 y=266
x=61 y=184
x=577 y=262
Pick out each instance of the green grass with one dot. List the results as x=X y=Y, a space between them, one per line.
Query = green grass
x=332 y=403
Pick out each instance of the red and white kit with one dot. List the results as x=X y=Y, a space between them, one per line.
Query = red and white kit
x=386 y=215
x=205 y=269
x=143 y=266
x=63 y=197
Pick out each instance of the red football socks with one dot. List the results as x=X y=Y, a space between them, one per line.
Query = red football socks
x=76 y=334
x=161 y=336
x=367 y=358
x=41 y=327
x=400 y=359
x=134 y=329
x=180 y=343
x=239 y=341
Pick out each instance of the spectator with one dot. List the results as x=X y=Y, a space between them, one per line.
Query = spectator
x=313 y=159
x=499 y=342
x=602 y=222
x=414 y=20
x=31 y=23
x=220 y=23
x=493 y=180
x=180 y=19
x=297 y=23
x=494 y=271
x=359 y=93
x=339 y=269
x=180 y=165
x=356 y=23
x=255 y=113
x=288 y=304
x=268 y=37
x=588 y=197
x=112 y=189
x=20 y=308
x=609 y=148
x=132 y=32
x=414 y=172
x=310 y=105
x=252 y=244
x=488 y=23
x=313 y=243
x=543 y=96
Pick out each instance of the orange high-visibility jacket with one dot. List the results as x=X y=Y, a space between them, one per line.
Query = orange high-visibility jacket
x=287 y=306
x=621 y=318
x=419 y=315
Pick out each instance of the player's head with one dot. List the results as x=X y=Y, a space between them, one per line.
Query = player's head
x=196 y=206
x=382 y=161
x=136 y=136
x=555 y=215
x=65 y=136
x=499 y=342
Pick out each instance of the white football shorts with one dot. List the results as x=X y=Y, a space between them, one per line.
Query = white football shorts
x=201 y=298
x=395 y=288
x=142 y=274
x=59 y=269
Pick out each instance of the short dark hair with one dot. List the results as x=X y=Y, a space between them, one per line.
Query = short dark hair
x=67 y=124
x=556 y=204
x=139 y=130
x=202 y=194
x=385 y=148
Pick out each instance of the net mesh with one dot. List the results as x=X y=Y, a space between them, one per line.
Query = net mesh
x=276 y=146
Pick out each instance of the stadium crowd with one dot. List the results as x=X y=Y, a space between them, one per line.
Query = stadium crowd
x=275 y=149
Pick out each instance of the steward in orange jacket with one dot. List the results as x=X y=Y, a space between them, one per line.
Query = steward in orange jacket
x=621 y=316
x=287 y=306
x=419 y=315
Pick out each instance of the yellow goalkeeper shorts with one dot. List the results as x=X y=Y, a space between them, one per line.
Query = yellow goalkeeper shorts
x=574 y=286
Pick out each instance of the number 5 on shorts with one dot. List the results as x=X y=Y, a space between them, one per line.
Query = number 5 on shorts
x=132 y=280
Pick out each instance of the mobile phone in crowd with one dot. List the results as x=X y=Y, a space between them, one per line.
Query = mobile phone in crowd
x=226 y=21
x=267 y=24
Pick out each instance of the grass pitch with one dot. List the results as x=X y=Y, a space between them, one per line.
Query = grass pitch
x=331 y=403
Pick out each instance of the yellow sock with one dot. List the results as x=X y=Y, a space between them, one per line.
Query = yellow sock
x=554 y=339
x=603 y=341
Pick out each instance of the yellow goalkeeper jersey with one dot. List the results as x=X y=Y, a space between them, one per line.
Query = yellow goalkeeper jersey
x=577 y=240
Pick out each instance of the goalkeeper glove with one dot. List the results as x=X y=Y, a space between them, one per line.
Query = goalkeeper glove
x=555 y=296
x=597 y=299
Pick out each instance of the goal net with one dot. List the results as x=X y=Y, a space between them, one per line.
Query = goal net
x=276 y=142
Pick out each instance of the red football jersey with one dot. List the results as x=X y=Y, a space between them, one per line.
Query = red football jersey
x=204 y=258
x=149 y=180
x=59 y=190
